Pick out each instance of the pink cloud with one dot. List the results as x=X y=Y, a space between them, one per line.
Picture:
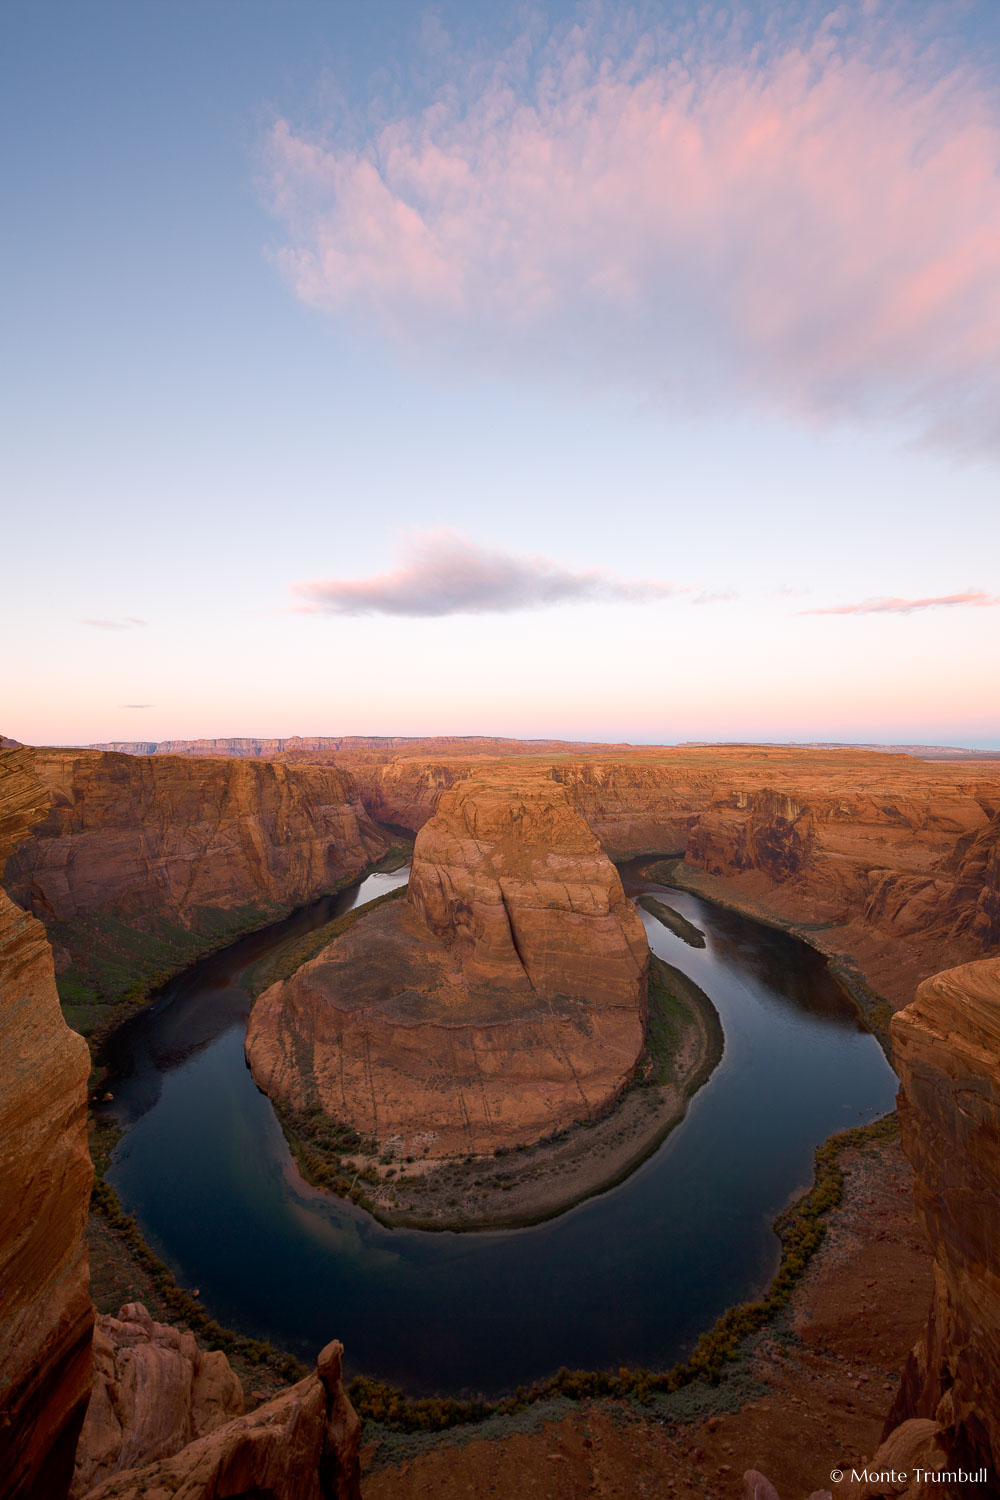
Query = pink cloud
x=443 y=574
x=124 y=622
x=812 y=226
x=975 y=597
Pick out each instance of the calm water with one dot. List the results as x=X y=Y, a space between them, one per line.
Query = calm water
x=629 y=1277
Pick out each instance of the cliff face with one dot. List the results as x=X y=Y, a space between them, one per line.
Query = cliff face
x=303 y=1445
x=515 y=883
x=895 y=859
x=154 y=1391
x=879 y=850
x=947 y=1049
x=45 y=1177
x=505 y=998
x=165 y=846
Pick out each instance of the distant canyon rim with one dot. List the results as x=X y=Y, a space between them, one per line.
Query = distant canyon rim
x=517 y=944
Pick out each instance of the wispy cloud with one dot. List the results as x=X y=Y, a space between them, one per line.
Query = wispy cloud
x=975 y=597
x=124 y=622
x=137 y=705
x=442 y=573
x=715 y=596
x=809 y=221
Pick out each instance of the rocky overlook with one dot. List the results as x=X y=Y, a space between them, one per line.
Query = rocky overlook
x=505 y=998
x=45 y=1177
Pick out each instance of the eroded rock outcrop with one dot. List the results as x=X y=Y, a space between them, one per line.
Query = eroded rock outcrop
x=303 y=1445
x=154 y=1391
x=947 y=1049
x=46 y=1316
x=165 y=846
x=505 y=998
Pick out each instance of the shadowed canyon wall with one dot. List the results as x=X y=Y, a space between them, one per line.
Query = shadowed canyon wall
x=46 y=1316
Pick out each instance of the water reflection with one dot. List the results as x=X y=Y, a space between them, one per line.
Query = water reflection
x=629 y=1277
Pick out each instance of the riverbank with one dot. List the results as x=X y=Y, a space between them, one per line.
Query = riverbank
x=807 y=1392
x=128 y=967
x=526 y=1185
x=875 y=1010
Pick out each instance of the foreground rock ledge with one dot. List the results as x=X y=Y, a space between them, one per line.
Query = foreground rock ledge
x=303 y=1445
x=505 y=998
x=46 y=1315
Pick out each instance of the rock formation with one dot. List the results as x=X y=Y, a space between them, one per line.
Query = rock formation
x=167 y=846
x=895 y=859
x=503 y=999
x=45 y=1175
x=154 y=1391
x=947 y=1049
x=303 y=1445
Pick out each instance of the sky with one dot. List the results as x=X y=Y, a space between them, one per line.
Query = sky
x=549 y=370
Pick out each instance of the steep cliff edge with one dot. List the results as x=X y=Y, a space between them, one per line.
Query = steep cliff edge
x=46 y=1316
x=888 y=861
x=142 y=862
x=947 y=1047
x=504 y=999
x=154 y=1391
x=303 y=1445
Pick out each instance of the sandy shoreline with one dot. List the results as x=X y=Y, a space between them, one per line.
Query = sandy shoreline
x=526 y=1186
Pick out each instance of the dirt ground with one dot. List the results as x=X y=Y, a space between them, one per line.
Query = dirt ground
x=824 y=1380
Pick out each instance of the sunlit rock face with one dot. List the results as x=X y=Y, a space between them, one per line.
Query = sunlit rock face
x=504 y=998
x=303 y=1445
x=45 y=1177
x=947 y=1049
x=165 y=844
x=154 y=1391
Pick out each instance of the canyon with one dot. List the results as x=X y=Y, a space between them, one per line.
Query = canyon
x=503 y=999
x=888 y=863
x=138 y=864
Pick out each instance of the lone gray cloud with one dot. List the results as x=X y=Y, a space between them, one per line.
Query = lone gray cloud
x=443 y=574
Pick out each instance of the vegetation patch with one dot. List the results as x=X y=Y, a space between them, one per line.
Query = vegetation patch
x=678 y=925
x=524 y=1183
x=801 y=1228
x=283 y=962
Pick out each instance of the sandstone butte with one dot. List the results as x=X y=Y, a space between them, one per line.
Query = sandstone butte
x=886 y=860
x=505 y=998
x=899 y=857
x=155 y=1399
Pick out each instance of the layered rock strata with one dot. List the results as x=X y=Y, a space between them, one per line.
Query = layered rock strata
x=505 y=998
x=154 y=1391
x=947 y=1049
x=46 y=1316
x=890 y=861
x=163 y=846
x=303 y=1445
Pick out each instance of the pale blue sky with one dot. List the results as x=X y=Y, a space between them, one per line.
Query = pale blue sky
x=227 y=373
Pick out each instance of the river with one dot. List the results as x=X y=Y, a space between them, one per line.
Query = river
x=630 y=1277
